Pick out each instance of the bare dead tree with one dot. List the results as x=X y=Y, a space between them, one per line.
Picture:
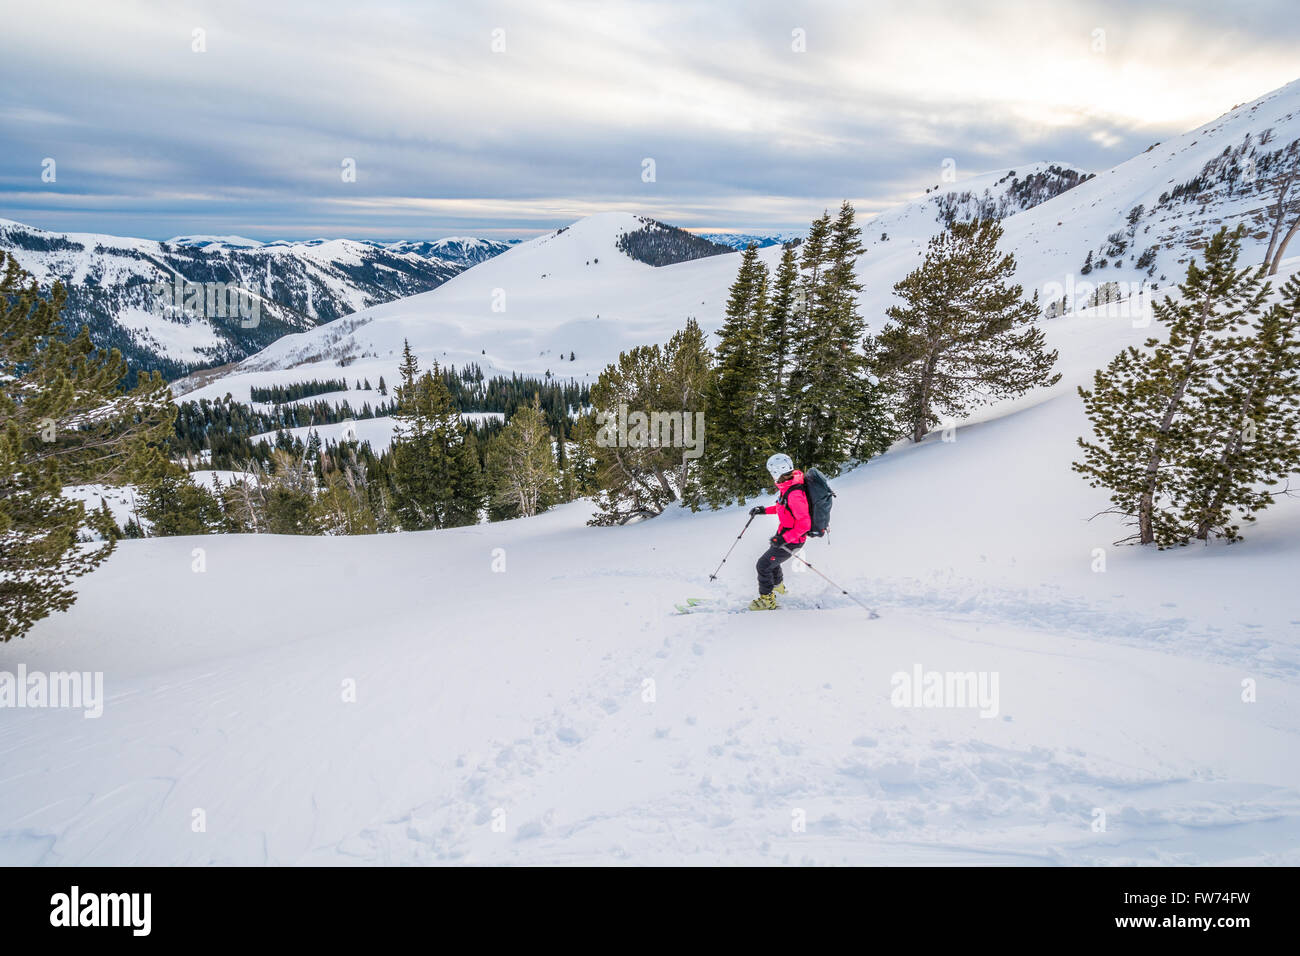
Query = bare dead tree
x=1281 y=249
x=1283 y=205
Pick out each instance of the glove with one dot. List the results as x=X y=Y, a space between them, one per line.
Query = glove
x=758 y=510
x=777 y=541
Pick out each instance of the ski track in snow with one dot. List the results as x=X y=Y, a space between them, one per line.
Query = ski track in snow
x=714 y=789
x=464 y=711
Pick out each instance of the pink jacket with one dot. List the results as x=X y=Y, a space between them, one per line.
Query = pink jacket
x=795 y=519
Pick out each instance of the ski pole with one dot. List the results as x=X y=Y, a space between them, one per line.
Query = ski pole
x=714 y=575
x=870 y=611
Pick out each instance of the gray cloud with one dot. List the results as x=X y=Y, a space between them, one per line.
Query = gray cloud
x=154 y=139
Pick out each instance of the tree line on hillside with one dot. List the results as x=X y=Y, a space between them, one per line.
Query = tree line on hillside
x=221 y=431
x=223 y=434
x=279 y=394
x=439 y=471
x=659 y=244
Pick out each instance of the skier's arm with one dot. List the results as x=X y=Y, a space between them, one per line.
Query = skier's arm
x=797 y=502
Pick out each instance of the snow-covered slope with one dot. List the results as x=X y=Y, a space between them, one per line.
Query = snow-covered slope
x=572 y=291
x=523 y=692
x=215 y=243
x=1179 y=193
x=110 y=282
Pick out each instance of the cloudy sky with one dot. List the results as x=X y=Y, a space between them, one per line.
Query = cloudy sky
x=506 y=119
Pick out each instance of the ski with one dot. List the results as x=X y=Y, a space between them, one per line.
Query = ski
x=713 y=606
x=709 y=606
x=690 y=605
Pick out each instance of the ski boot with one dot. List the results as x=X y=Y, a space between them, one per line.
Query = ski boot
x=764 y=602
x=779 y=589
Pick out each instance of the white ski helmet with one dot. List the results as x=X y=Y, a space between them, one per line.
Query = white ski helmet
x=778 y=465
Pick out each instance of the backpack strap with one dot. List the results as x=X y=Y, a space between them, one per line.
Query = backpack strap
x=802 y=486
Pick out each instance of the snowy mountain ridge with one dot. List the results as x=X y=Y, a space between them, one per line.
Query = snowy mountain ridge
x=111 y=283
x=573 y=291
x=463 y=250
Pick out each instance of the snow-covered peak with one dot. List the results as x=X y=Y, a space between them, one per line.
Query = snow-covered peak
x=215 y=242
x=996 y=194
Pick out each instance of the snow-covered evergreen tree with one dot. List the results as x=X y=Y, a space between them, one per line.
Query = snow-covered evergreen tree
x=1154 y=410
x=64 y=419
x=521 y=467
x=738 y=443
x=1253 y=422
x=638 y=475
x=436 y=481
x=830 y=403
x=783 y=303
x=964 y=334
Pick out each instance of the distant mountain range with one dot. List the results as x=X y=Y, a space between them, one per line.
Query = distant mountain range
x=113 y=286
x=742 y=240
x=463 y=250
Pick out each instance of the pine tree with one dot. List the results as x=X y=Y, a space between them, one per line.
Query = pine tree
x=876 y=428
x=174 y=505
x=289 y=511
x=736 y=445
x=409 y=369
x=630 y=475
x=778 y=337
x=469 y=480
x=1252 y=439
x=813 y=258
x=684 y=385
x=964 y=335
x=343 y=503
x=521 y=467
x=561 y=447
x=580 y=479
x=288 y=492
x=233 y=500
x=426 y=472
x=64 y=419
x=638 y=474
x=106 y=524
x=832 y=401
x=1153 y=410
x=800 y=327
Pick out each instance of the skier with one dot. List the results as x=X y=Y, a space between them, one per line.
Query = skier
x=795 y=521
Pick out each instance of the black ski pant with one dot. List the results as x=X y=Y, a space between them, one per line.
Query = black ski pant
x=769 y=566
